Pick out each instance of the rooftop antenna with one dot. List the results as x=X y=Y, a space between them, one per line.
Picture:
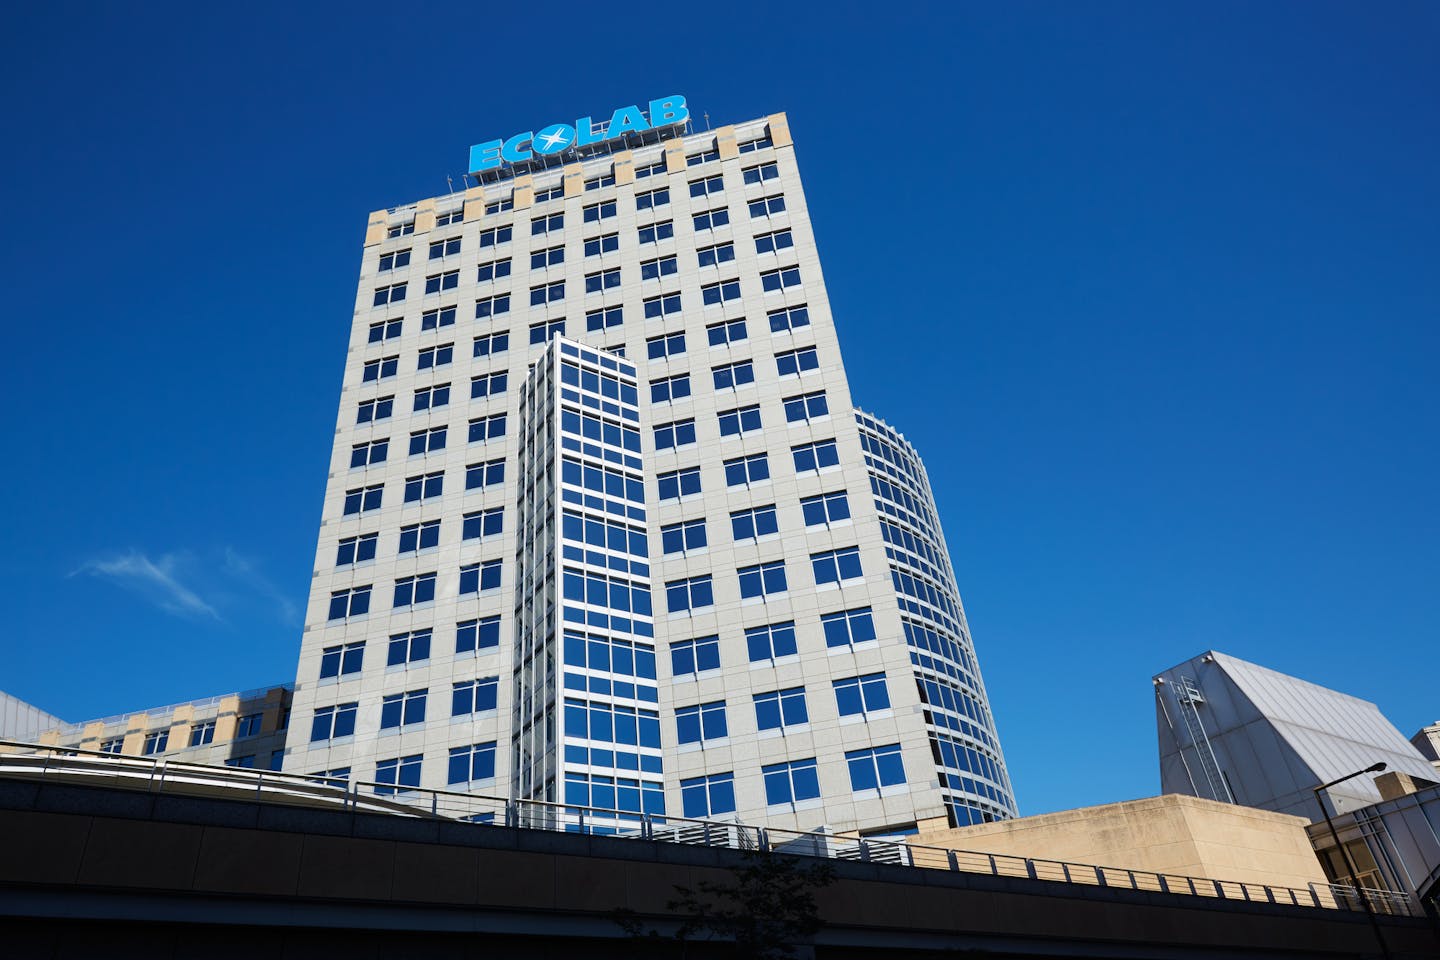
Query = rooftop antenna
x=450 y=182
x=707 y=119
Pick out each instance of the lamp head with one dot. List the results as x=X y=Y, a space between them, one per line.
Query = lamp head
x=1376 y=768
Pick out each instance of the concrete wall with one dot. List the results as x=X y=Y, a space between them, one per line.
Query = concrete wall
x=171 y=876
x=1165 y=834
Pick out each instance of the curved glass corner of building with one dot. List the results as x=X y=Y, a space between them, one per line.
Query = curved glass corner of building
x=969 y=762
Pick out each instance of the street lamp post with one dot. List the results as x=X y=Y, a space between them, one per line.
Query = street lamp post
x=1345 y=854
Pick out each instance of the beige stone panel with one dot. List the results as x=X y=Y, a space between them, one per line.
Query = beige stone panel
x=226 y=721
x=425 y=216
x=624 y=167
x=779 y=130
x=474 y=203
x=726 y=144
x=524 y=192
x=675 y=156
x=574 y=180
x=375 y=228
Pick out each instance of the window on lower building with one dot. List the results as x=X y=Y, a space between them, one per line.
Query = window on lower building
x=483 y=523
x=791 y=363
x=875 y=767
x=762 y=579
x=494 y=270
x=394 y=260
x=442 y=281
x=437 y=318
x=767 y=207
x=708 y=796
x=808 y=406
x=333 y=722
x=781 y=708
x=414 y=590
x=693 y=593
x=604 y=319
x=476 y=635
x=342 y=659
x=381 y=369
x=384 y=330
x=249 y=725
x=711 y=219
x=607 y=243
x=399 y=773
x=665 y=346
x=412 y=647
x=791 y=782
x=156 y=741
x=754 y=523
x=668 y=389
x=814 y=457
x=356 y=549
x=415 y=537
x=774 y=242
x=474 y=696
x=665 y=230
x=354 y=602
x=369 y=454
x=438 y=356
x=488 y=384
x=362 y=499
x=202 y=733
x=742 y=420
x=862 y=695
x=825 y=510
x=664 y=305
x=688 y=536
x=472 y=764
x=771 y=642
x=715 y=293
x=730 y=376
x=677 y=484
x=772 y=281
x=700 y=723
x=403 y=709
x=834 y=566
x=680 y=433
x=487 y=474
x=690 y=657
x=371 y=410
x=789 y=319
x=428 y=441
x=848 y=627
x=487 y=428
x=747 y=471
x=479 y=577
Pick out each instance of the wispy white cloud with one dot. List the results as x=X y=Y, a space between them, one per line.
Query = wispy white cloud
x=156 y=580
x=248 y=573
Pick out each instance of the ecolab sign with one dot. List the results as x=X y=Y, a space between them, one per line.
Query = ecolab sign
x=666 y=112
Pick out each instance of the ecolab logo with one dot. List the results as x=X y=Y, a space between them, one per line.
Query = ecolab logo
x=665 y=112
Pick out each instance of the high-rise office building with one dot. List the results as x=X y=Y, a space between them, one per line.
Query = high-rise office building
x=603 y=525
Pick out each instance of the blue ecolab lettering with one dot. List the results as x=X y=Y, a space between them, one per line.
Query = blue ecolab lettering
x=513 y=151
x=585 y=132
x=626 y=120
x=670 y=110
x=485 y=156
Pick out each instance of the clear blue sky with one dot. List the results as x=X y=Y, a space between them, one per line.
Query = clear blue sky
x=1154 y=288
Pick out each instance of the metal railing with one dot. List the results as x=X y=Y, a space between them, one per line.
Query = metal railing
x=161 y=776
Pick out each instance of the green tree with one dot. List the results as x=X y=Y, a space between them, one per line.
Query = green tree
x=766 y=911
